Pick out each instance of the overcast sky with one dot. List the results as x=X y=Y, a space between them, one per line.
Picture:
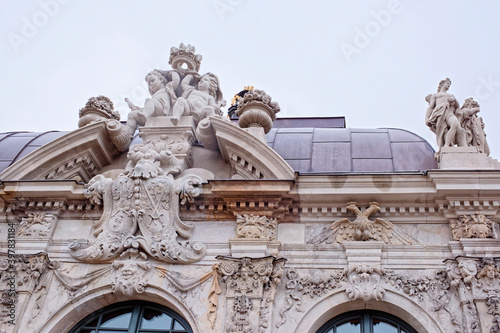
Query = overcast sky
x=370 y=61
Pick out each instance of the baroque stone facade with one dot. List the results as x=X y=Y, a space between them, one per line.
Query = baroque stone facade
x=203 y=217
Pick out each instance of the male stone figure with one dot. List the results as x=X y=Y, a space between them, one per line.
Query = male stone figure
x=441 y=117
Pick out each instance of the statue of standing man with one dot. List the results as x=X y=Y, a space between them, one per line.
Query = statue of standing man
x=442 y=119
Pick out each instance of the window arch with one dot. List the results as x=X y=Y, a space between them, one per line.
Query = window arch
x=133 y=317
x=366 y=322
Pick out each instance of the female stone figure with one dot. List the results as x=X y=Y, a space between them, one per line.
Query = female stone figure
x=442 y=119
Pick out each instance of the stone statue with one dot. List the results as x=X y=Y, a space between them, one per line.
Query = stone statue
x=473 y=125
x=162 y=98
x=201 y=102
x=442 y=119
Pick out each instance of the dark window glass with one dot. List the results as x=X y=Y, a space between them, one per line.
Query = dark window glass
x=133 y=317
x=366 y=322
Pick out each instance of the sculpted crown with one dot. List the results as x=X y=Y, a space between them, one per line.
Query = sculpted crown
x=185 y=55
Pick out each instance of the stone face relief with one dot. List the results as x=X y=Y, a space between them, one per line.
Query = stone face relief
x=472 y=226
x=141 y=211
x=454 y=125
x=254 y=226
x=362 y=229
x=132 y=273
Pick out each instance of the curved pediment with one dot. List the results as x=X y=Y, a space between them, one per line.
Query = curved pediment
x=250 y=157
x=77 y=155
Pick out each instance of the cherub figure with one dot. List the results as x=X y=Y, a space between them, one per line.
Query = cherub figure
x=160 y=103
x=200 y=102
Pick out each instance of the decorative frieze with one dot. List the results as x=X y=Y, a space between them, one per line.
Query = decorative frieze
x=255 y=226
x=313 y=287
x=38 y=225
x=472 y=226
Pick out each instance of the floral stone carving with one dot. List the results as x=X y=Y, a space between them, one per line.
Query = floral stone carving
x=37 y=225
x=311 y=286
x=362 y=229
x=255 y=226
x=141 y=210
x=256 y=108
x=97 y=108
x=473 y=226
x=250 y=288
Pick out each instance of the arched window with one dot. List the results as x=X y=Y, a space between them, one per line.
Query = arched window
x=133 y=317
x=366 y=322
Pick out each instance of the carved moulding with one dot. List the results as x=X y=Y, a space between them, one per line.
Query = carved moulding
x=250 y=288
x=472 y=226
x=362 y=229
x=141 y=210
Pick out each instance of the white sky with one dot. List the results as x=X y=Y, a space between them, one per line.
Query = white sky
x=56 y=54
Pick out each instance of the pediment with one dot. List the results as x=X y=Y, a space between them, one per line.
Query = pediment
x=77 y=155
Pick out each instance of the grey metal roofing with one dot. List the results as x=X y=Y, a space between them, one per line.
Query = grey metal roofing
x=306 y=149
x=326 y=150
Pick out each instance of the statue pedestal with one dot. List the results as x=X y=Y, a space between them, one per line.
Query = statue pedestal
x=465 y=158
x=178 y=138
